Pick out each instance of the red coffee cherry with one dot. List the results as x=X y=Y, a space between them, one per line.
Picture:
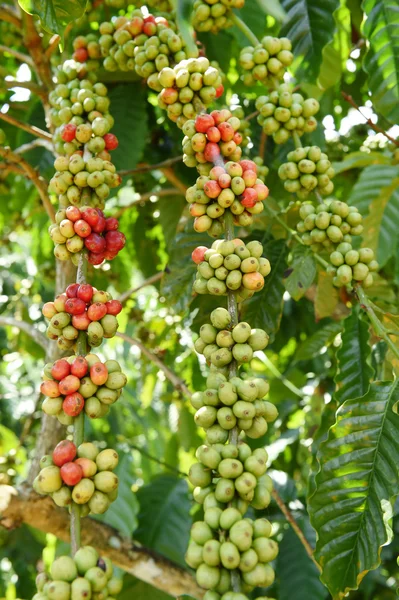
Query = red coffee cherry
x=97 y=311
x=75 y=306
x=99 y=228
x=98 y=373
x=115 y=241
x=69 y=132
x=80 y=55
x=111 y=141
x=60 y=369
x=82 y=228
x=73 y=404
x=91 y=215
x=69 y=385
x=85 y=292
x=50 y=388
x=64 y=452
x=203 y=122
x=111 y=224
x=198 y=255
x=71 y=473
x=73 y=213
x=79 y=367
x=114 y=307
x=71 y=290
x=95 y=243
x=81 y=322
x=96 y=258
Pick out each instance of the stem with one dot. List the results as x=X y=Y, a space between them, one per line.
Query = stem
x=79 y=422
x=53 y=45
x=24 y=58
x=378 y=326
x=297 y=139
x=143 y=168
x=274 y=370
x=9 y=15
x=27 y=328
x=245 y=29
x=291 y=520
x=369 y=122
x=147 y=196
x=36 y=131
x=150 y=281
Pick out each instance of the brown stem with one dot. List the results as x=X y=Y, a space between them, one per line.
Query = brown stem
x=178 y=383
x=36 y=131
x=251 y=115
x=7 y=14
x=297 y=530
x=150 y=281
x=262 y=144
x=34 y=45
x=27 y=328
x=34 y=144
x=172 y=177
x=34 y=176
x=24 y=58
x=143 y=168
x=53 y=45
x=369 y=122
x=147 y=196
x=157 y=460
x=41 y=513
x=27 y=85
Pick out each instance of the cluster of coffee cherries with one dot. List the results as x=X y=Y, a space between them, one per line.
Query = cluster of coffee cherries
x=235 y=402
x=283 y=112
x=235 y=186
x=308 y=170
x=82 y=475
x=221 y=343
x=230 y=265
x=145 y=44
x=210 y=139
x=81 y=308
x=191 y=82
x=86 y=227
x=213 y=16
x=84 y=576
x=79 y=383
x=245 y=125
x=77 y=180
x=267 y=61
x=86 y=48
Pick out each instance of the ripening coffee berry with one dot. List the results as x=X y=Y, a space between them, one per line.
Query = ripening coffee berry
x=64 y=452
x=71 y=473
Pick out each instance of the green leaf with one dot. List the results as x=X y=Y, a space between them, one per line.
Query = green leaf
x=170 y=210
x=129 y=103
x=322 y=337
x=54 y=15
x=357 y=160
x=353 y=357
x=381 y=62
x=298 y=576
x=336 y=52
x=300 y=274
x=357 y=481
x=327 y=296
x=308 y=26
x=184 y=10
x=272 y=8
x=140 y=590
x=122 y=514
x=164 y=521
x=265 y=308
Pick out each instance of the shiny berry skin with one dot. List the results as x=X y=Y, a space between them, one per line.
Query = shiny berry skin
x=85 y=292
x=248 y=165
x=99 y=228
x=95 y=243
x=219 y=91
x=71 y=473
x=98 y=373
x=97 y=311
x=212 y=189
x=69 y=132
x=262 y=190
x=237 y=138
x=64 y=452
x=149 y=29
x=80 y=55
x=88 y=466
x=203 y=122
x=115 y=241
x=82 y=228
x=198 y=254
x=73 y=213
x=211 y=152
x=71 y=290
x=111 y=224
x=69 y=385
x=91 y=215
x=79 y=367
x=249 y=177
x=96 y=258
x=114 y=307
x=81 y=322
x=226 y=132
x=75 y=306
x=50 y=389
x=73 y=404
x=111 y=141
x=213 y=134
x=60 y=369
x=108 y=255
x=49 y=310
x=249 y=198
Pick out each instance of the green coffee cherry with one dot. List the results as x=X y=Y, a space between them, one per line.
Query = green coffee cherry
x=63 y=569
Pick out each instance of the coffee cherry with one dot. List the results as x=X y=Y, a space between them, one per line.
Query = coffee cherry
x=71 y=473
x=63 y=453
x=85 y=558
x=49 y=480
x=89 y=468
x=73 y=404
x=60 y=369
x=63 y=568
x=79 y=367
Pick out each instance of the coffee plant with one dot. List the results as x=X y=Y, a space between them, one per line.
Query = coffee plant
x=206 y=194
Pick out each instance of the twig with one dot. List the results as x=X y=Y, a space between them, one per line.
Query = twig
x=271 y=366
x=173 y=178
x=9 y=168
x=41 y=62
x=297 y=530
x=27 y=328
x=378 y=326
x=262 y=144
x=7 y=14
x=251 y=115
x=178 y=383
x=34 y=144
x=147 y=196
x=143 y=168
x=244 y=28
x=369 y=122
x=157 y=460
x=26 y=85
x=26 y=127
x=53 y=45
x=150 y=281
x=34 y=176
x=24 y=58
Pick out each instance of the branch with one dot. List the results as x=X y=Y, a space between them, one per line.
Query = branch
x=8 y=14
x=297 y=530
x=145 y=197
x=26 y=127
x=24 y=58
x=178 y=383
x=143 y=168
x=53 y=45
x=26 y=85
x=34 y=176
x=27 y=328
x=34 y=45
x=41 y=513
x=153 y=279
x=34 y=144
x=172 y=177
x=251 y=115
x=369 y=122
x=155 y=459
